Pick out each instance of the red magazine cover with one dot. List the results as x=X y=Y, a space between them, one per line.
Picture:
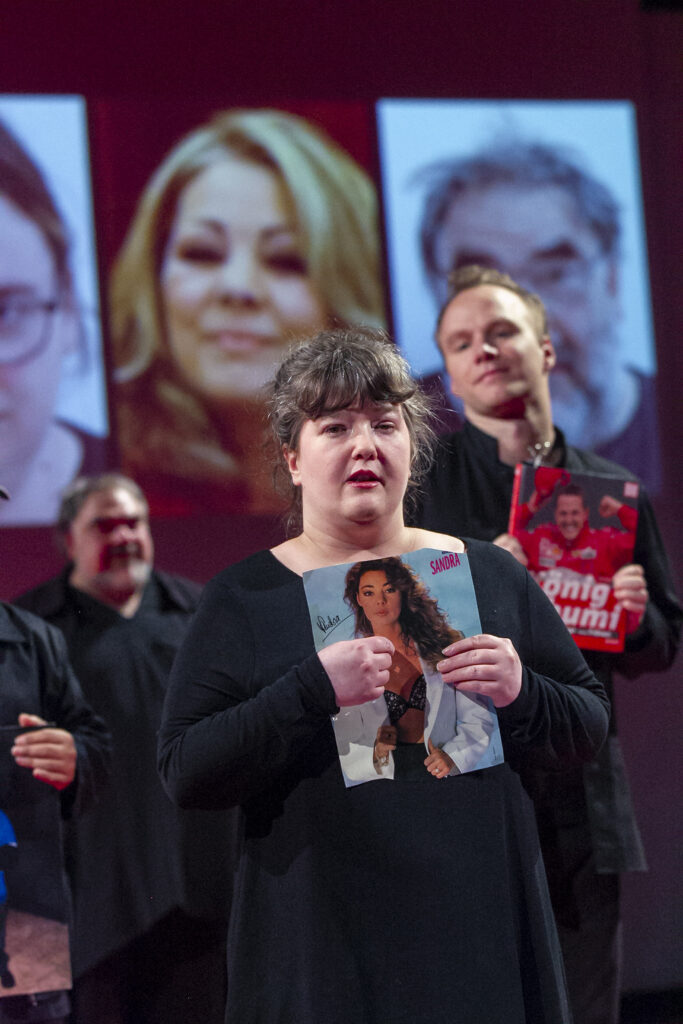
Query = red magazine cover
x=577 y=530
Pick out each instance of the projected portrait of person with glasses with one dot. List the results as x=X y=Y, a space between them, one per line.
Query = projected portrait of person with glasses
x=40 y=325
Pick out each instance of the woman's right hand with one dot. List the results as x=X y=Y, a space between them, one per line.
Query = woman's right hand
x=358 y=669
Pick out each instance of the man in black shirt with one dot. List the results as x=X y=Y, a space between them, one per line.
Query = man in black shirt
x=151 y=883
x=494 y=340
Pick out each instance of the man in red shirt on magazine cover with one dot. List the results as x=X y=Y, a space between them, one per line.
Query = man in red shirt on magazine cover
x=570 y=542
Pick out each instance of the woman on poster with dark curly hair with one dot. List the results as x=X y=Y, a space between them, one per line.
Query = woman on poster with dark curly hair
x=430 y=727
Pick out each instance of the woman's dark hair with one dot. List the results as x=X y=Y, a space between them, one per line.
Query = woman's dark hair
x=422 y=622
x=337 y=368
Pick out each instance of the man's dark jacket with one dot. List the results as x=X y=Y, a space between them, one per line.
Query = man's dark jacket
x=468 y=494
x=36 y=678
x=135 y=858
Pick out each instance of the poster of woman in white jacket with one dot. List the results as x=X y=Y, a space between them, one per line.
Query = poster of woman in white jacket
x=420 y=729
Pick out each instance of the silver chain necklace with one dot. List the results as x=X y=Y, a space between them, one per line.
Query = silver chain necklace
x=538 y=451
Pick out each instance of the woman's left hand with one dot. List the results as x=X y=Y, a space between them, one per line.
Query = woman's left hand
x=483 y=664
x=438 y=764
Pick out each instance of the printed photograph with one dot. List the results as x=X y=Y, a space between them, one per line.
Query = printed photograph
x=422 y=602
x=576 y=531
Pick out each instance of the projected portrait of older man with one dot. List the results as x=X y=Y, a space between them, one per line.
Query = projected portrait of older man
x=532 y=211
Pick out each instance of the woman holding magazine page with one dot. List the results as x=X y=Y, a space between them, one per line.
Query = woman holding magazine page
x=390 y=901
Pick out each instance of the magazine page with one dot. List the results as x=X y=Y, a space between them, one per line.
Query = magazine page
x=577 y=530
x=422 y=601
x=34 y=934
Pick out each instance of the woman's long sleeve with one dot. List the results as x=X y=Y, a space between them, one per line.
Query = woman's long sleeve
x=225 y=735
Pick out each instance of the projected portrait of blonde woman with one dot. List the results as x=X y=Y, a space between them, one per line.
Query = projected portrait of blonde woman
x=256 y=230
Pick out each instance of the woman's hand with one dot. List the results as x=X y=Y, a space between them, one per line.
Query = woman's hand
x=358 y=669
x=438 y=764
x=630 y=590
x=483 y=664
x=384 y=745
x=49 y=753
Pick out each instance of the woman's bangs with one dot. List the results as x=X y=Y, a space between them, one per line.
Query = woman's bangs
x=351 y=381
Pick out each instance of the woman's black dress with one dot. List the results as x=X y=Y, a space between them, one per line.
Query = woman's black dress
x=391 y=902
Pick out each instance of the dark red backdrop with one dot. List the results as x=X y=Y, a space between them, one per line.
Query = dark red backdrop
x=201 y=56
